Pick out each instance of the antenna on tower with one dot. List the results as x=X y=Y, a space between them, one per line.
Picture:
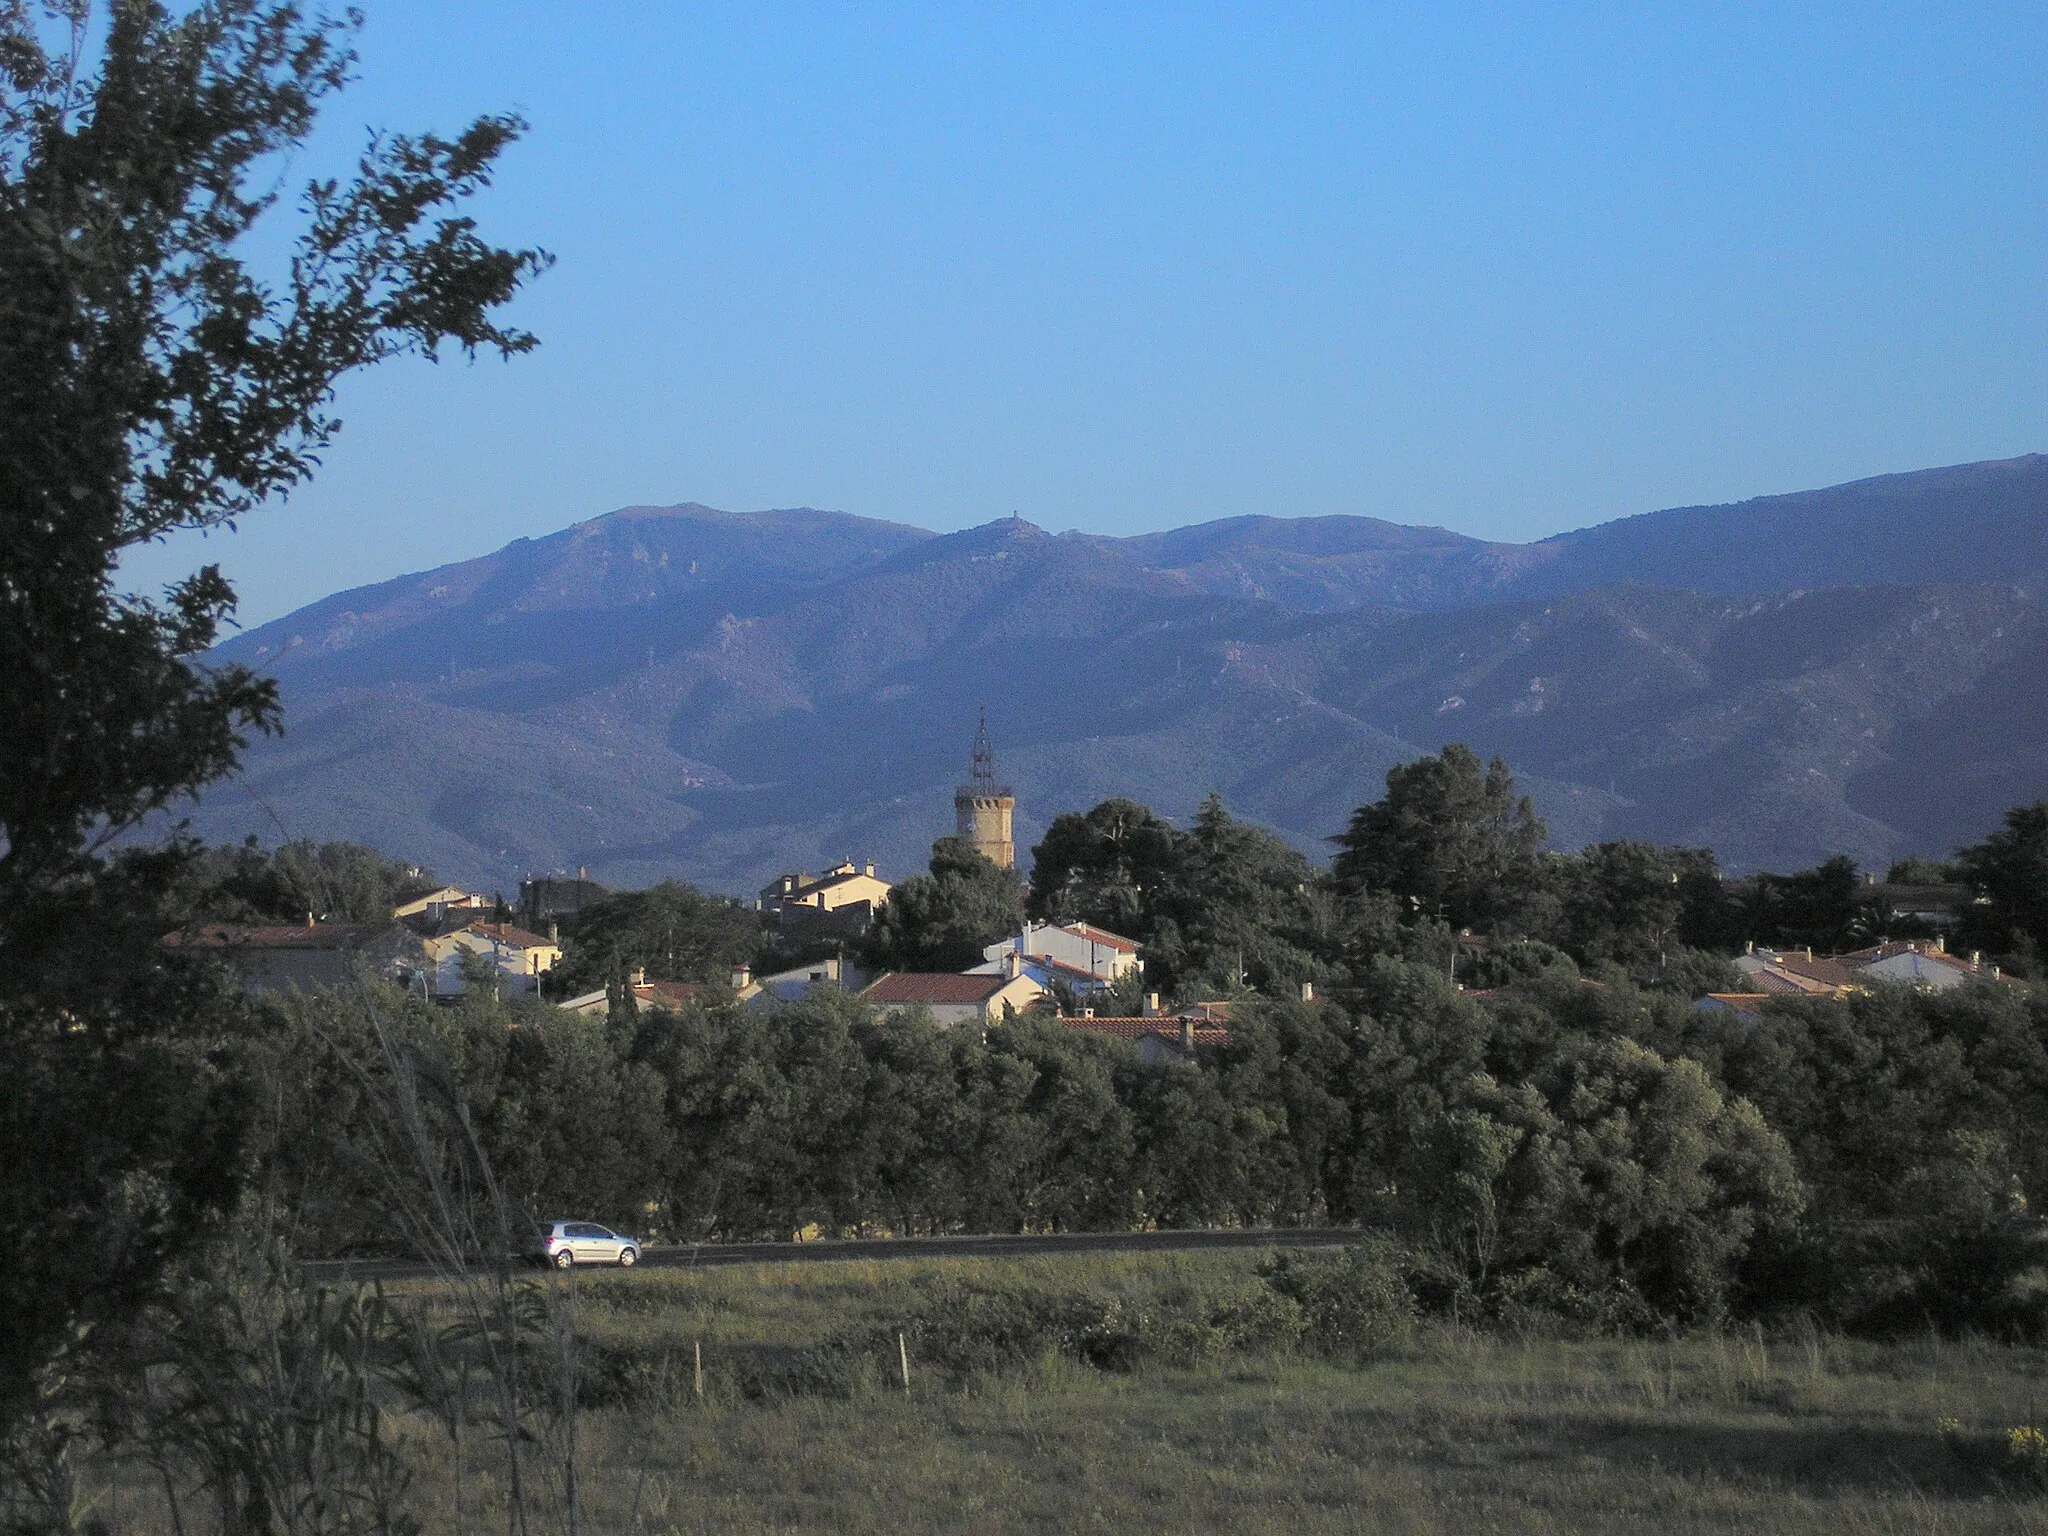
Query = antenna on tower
x=982 y=766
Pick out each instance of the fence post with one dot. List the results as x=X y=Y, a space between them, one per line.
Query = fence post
x=903 y=1357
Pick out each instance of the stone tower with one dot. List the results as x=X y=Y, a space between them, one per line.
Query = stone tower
x=982 y=806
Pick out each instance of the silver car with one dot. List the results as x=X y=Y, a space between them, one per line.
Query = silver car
x=565 y=1244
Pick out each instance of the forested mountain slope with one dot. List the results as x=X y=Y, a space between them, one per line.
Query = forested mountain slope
x=720 y=696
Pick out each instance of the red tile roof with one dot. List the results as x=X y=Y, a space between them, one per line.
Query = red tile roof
x=1102 y=936
x=671 y=994
x=911 y=987
x=507 y=934
x=1136 y=1029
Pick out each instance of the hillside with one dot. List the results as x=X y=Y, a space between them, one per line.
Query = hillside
x=720 y=696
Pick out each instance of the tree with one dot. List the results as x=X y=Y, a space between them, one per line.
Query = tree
x=335 y=882
x=1099 y=866
x=944 y=920
x=1450 y=839
x=1615 y=1183
x=152 y=380
x=1819 y=908
x=674 y=932
x=2010 y=869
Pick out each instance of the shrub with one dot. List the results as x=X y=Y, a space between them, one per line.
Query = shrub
x=1353 y=1305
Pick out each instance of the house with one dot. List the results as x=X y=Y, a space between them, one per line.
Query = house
x=312 y=955
x=797 y=983
x=1157 y=1038
x=1919 y=963
x=842 y=900
x=1792 y=973
x=1088 y=959
x=955 y=999
x=518 y=959
x=430 y=913
x=645 y=995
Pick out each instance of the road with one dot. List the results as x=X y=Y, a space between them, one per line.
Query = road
x=723 y=1255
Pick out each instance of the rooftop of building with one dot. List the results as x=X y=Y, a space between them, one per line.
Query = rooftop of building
x=908 y=988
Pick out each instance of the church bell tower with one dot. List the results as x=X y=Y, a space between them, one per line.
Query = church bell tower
x=983 y=807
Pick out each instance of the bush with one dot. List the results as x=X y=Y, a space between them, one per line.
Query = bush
x=1353 y=1305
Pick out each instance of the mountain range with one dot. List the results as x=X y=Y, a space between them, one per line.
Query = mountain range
x=721 y=696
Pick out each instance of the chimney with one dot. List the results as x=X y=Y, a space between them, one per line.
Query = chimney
x=554 y=931
x=309 y=919
x=869 y=869
x=1087 y=1013
x=1187 y=1033
x=1749 y=946
x=582 y=871
x=1976 y=958
x=1941 y=943
x=1013 y=965
x=1308 y=991
x=1150 y=1008
x=741 y=975
x=1809 y=951
x=639 y=976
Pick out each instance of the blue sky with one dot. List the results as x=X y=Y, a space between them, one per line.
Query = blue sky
x=1507 y=269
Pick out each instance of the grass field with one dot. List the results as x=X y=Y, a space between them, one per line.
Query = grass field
x=1451 y=1431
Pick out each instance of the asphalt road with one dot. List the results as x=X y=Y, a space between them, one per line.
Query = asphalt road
x=721 y=1255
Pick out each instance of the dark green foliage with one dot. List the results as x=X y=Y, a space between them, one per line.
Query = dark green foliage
x=570 y=1123
x=1620 y=1177
x=1353 y=1304
x=151 y=383
x=2010 y=868
x=333 y=882
x=1220 y=908
x=944 y=920
x=674 y=932
x=1818 y=908
x=1099 y=866
x=1451 y=840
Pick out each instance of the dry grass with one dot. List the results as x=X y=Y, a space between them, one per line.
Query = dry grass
x=1457 y=1433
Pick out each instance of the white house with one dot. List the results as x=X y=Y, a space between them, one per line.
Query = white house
x=1088 y=959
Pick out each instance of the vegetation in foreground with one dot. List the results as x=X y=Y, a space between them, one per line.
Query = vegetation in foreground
x=1219 y=1392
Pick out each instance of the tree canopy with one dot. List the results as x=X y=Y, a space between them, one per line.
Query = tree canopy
x=157 y=376
x=1450 y=839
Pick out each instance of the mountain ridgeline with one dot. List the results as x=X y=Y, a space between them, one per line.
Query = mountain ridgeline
x=688 y=692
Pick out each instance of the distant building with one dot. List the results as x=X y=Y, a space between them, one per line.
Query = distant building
x=1920 y=963
x=645 y=996
x=303 y=957
x=1923 y=963
x=551 y=898
x=431 y=913
x=954 y=999
x=1089 y=960
x=842 y=900
x=517 y=958
x=1936 y=906
x=798 y=982
x=982 y=808
x=1174 y=1040
x=1793 y=973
